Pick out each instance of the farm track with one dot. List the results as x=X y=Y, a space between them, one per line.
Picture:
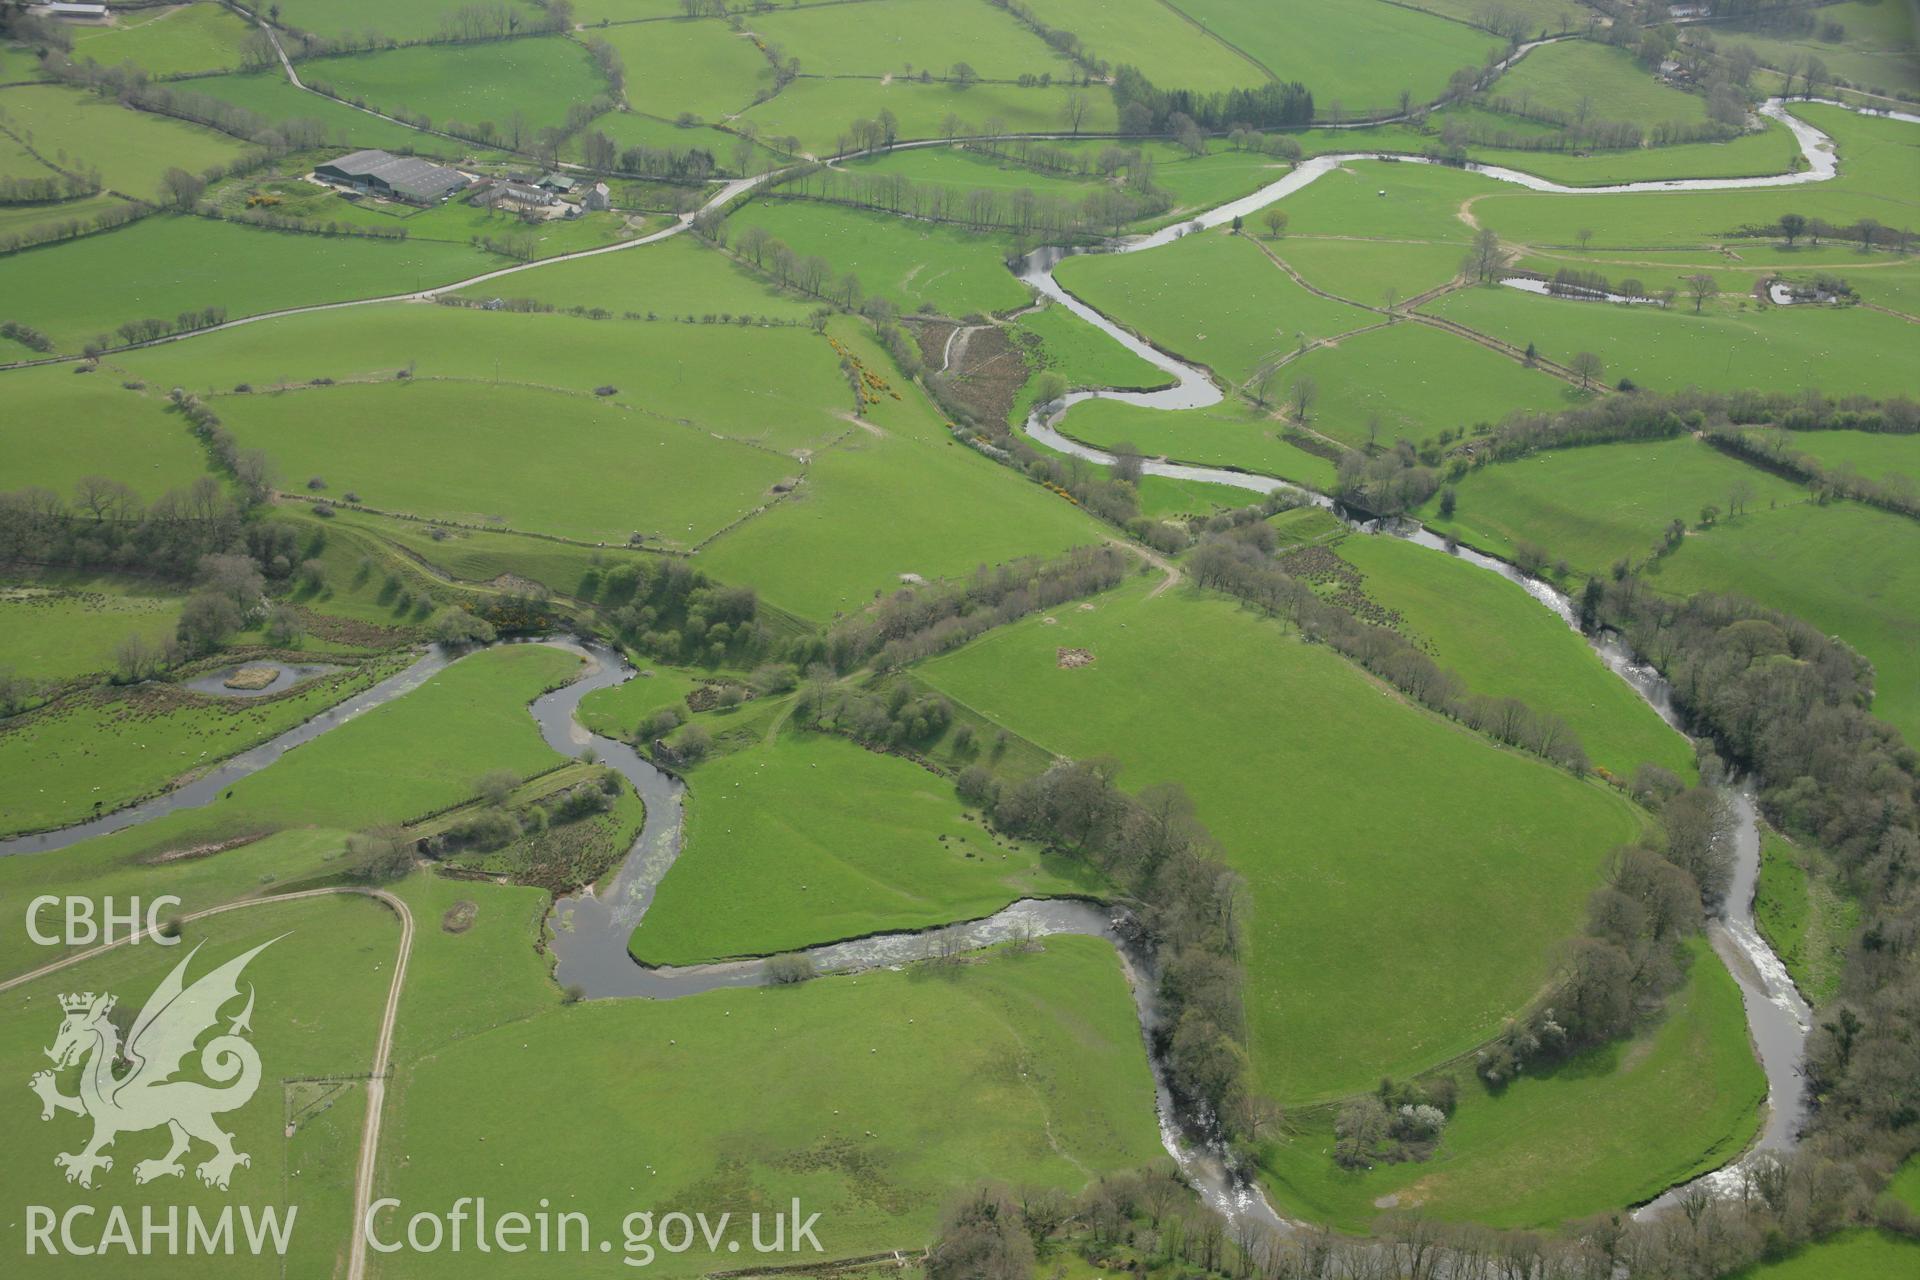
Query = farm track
x=383 y=1041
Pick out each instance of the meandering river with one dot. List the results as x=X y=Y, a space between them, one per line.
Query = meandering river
x=590 y=930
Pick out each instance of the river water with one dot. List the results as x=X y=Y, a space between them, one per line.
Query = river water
x=589 y=930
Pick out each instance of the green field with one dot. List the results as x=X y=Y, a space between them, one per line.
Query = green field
x=1364 y=270
x=163 y=265
x=688 y=66
x=818 y=111
x=170 y=41
x=1870 y=454
x=532 y=81
x=1212 y=298
x=1416 y=381
x=913 y=263
x=905 y=37
x=1850 y=1255
x=64 y=630
x=268 y=95
x=132 y=150
x=1804 y=915
x=104 y=427
x=1083 y=355
x=776 y=860
x=1613 y=1126
x=101 y=749
x=1594 y=505
x=1174 y=51
x=801 y=407
x=678 y=278
x=1730 y=345
x=1603 y=82
x=1843 y=567
x=354 y=18
x=319 y=991
x=1503 y=643
x=910 y=500
x=874 y=1099
x=1406 y=49
x=1232 y=434
x=458 y=451
x=1327 y=1013
x=1876 y=51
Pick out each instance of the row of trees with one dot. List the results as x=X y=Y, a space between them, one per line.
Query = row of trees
x=1106 y=210
x=1190 y=910
x=51 y=189
x=1776 y=451
x=1868 y=233
x=1145 y=108
x=919 y=621
x=1240 y=561
x=667 y=608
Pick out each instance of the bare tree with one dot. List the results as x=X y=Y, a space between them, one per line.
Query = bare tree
x=1588 y=367
x=1303 y=393
x=1702 y=288
x=1074 y=109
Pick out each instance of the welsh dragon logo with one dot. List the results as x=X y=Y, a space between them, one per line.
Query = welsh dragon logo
x=130 y=1087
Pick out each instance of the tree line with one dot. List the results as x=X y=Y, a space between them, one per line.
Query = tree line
x=1104 y=210
x=51 y=189
x=917 y=622
x=1868 y=233
x=1145 y=108
x=1240 y=561
x=1190 y=907
x=1789 y=703
x=1775 y=451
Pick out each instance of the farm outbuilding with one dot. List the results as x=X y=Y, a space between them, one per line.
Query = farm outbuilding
x=381 y=173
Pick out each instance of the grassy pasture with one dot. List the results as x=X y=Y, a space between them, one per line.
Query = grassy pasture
x=1502 y=643
x=1611 y=1127
x=800 y=407
x=700 y=67
x=268 y=95
x=1859 y=1254
x=1422 y=202
x=776 y=859
x=1407 y=49
x=1503 y=848
x=874 y=1098
x=1173 y=51
x=1232 y=434
x=1363 y=270
x=1213 y=298
x=168 y=41
x=60 y=631
x=1733 y=344
x=1592 y=506
x=1768 y=150
x=1850 y=570
x=1607 y=81
x=618 y=711
x=131 y=149
x=675 y=278
x=29 y=219
x=637 y=129
x=1417 y=380
x=458 y=451
x=911 y=262
x=1878 y=457
x=17 y=162
x=1804 y=915
x=59 y=428
x=873 y=508
x=166 y=264
x=817 y=111
x=536 y=79
x=320 y=990
x=101 y=749
x=905 y=37
x=1086 y=356
x=1879 y=178
x=1876 y=51
x=355 y=17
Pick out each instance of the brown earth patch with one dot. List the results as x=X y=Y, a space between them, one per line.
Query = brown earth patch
x=458 y=918
x=252 y=678
x=1069 y=659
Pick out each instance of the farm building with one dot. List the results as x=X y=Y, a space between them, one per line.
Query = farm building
x=558 y=183
x=400 y=177
x=597 y=199
x=74 y=12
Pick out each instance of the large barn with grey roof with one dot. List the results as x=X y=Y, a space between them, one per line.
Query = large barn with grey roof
x=381 y=173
